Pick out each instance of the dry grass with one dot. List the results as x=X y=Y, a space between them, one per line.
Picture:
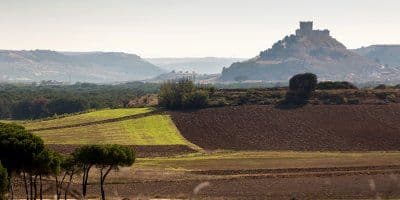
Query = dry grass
x=267 y=160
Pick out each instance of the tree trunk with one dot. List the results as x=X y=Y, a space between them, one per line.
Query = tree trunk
x=57 y=188
x=35 y=187
x=59 y=185
x=69 y=183
x=83 y=183
x=41 y=187
x=102 y=180
x=26 y=186
x=10 y=180
x=85 y=179
x=31 y=185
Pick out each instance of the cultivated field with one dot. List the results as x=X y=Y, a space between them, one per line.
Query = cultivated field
x=255 y=175
x=85 y=118
x=145 y=129
x=309 y=128
x=135 y=126
x=241 y=152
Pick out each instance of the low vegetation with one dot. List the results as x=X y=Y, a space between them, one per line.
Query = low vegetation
x=33 y=101
x=182 y=94
x=237 y=160
x=337 y=85
x=133 y=126
x=151 y=130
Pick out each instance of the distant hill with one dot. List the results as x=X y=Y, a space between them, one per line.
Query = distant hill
x=197 y=78
x=313 y=51
x=388 y=55
x=95 y=67
x=206 y=65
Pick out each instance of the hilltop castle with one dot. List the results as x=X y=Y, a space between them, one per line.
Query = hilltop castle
x=306 y=29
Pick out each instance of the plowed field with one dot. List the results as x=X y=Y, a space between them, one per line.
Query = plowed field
x=309 y=128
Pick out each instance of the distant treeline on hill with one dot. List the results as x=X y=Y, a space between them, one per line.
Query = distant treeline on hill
x=33 y=102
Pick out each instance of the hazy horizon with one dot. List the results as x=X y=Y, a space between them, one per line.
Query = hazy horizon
x=177 y=28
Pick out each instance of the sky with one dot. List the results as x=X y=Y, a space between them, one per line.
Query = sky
x=189 y=28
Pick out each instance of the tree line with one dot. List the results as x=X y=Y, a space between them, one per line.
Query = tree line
x=30 y=101
x=24 y=156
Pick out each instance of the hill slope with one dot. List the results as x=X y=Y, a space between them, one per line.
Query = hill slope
x=84 y=67
x=388 y=55
x=309 y=51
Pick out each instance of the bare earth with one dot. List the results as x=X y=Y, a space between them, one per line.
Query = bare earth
x=382 y=184
x=309 y=128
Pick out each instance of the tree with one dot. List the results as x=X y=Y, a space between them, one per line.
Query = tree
x=301 y=88
x=3 y=182
x=16 y=142
x=104 y=157
x=182 y=94
x=63 y=106
x=69 y=167
x=113 y=157
x=85 y=157
x=45 y=163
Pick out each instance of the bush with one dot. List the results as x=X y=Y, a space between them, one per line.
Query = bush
x=3 y=182
x=392 y=98
x=301 y=88
x=182 y=95
x=381 y=87
x=354 y=101
x=196 y=99
x=329 y=85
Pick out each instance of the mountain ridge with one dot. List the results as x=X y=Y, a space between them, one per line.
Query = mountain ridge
x=385 y=54
x=97 y=67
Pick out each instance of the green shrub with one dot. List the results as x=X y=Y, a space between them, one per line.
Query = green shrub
x=354 y=101
x=183 y=94
x=387 y=96
x=392 y=98
x=381 y=87
x=219 y=102
x=329 y=85
x=332 y=99
x=196 y=99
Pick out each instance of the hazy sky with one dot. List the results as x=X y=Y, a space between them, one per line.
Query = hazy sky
x=182 y=28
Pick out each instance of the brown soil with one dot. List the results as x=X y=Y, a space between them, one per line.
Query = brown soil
x=309 y=128
x=141 y=151
x=264 y=186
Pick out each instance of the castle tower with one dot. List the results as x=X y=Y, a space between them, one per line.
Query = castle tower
x=306 y=28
